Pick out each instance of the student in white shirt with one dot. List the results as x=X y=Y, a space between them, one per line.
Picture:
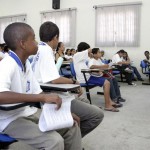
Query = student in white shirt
x=60 y=51
x=68 y=55
x=135 y=71
x=45 y=71
x=96 y=63
x=18 y=85
x=123 y=66
x=79 y=60
x=147 y=55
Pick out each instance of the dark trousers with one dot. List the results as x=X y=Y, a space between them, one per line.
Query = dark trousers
x=114 y=88
x=135 y=71
x=128 y=76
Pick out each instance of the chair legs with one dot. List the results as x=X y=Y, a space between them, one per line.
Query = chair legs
x=147 y=83
x=88 y=94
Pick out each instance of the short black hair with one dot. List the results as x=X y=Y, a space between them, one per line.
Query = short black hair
x=48 y=31
x=82 y=46
x=121 y=51
x=15 y=32
x=95 y=50
x=146 y=52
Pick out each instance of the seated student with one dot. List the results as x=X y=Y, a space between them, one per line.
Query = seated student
x=95 y=63
x=3 y=50
x=79 y=59
x=68 y=55
x=147 y=59
x=123 y=66
x=135 y=71
x=73 y=51
x=60 y=51
x=17 y=84
x=45 y=71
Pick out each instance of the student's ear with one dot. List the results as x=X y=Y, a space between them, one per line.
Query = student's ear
x=22 y=44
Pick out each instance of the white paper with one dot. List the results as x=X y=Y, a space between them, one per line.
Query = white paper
x=53 y=119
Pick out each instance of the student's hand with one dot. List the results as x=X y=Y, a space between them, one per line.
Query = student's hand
x=76 y=118
x=79 y=90
x=53 y=98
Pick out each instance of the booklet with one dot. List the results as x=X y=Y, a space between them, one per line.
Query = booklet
x=53 y=119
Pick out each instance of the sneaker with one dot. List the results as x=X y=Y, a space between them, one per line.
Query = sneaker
x=132 y=84
x=140 y=79
x=128 y=70
x=120 y=99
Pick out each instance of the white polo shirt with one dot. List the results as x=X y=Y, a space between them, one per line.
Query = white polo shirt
x=79 y=61
x=14 y=78
x=116 y=58
x=43 y=64
x=95 y=62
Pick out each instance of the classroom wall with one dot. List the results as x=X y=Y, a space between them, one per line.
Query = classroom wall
x=85 y=20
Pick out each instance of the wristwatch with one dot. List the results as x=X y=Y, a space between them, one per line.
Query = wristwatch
x=74 y=81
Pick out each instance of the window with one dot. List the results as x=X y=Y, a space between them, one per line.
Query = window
x=118 y=25
x=66 y=21
x=5 y=21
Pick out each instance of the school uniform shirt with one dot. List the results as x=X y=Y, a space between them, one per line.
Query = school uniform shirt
x=2 y=54
x=116 y=58
x=15 y=78
x=68 y=57
x=95 y=62
x=43 y=64
x=79 y=61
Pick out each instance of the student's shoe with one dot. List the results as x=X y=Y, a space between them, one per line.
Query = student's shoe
x=140 y=79
x=132 y=84
x=134 y=79
x=117 y=105
x=112 y=109
x=120 y=99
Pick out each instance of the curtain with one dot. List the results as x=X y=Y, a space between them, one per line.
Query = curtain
x=118 y=26
x=5 y=21
x=66 y=22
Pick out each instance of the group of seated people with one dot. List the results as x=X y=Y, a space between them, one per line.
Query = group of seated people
x=19 y=82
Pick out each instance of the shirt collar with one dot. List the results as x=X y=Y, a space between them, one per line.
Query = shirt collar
x=17 y=59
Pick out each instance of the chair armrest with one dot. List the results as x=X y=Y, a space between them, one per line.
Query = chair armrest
x=15 y=106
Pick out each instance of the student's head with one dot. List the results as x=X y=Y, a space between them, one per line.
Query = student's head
x=82 y=46
x=2 y=46
x=102 y=53
x=125 y=54
x=20 y=36
x=96 y=53
x=49 y=32
x=60 y=47
x=120 y=52
x=68 y=52
x=146 y=53
x=73 y=51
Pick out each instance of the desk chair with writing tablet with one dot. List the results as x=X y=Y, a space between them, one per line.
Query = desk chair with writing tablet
x=6 y=140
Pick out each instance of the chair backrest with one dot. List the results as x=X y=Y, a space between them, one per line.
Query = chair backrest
x=72 y=70
x=6 y=138
x=105 y=61
x=144 y=66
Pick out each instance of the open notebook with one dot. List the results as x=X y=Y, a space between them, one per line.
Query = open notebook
x=52 y=119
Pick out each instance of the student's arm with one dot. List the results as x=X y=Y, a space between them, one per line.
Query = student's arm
x=105 y=66
x=56 y=56
x=9 y=97
x=123 y=63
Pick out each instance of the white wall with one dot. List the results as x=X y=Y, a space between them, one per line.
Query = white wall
x=85 y=20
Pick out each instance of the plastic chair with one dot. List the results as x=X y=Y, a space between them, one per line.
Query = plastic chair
x=86 y=85
x=145 y=70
